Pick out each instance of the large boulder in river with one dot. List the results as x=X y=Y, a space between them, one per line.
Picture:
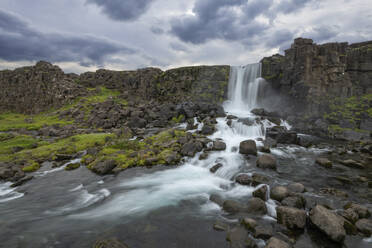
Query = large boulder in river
x=325 y=162
x=104 y=167
x=266 y=161
x=328 y=222
x=364 y=226
x=248 y=147
x=191 y=148
x=279 y=193
x=276 y=243
x=358 y=209
x=282 y=135
x=292 y=218
x=218 y=146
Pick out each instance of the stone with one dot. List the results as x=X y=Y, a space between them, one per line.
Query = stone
x=218 y=146
x=243 y=179
x=296 y=187
x=232 y=206
x=72 y=166
x=191 y=148
x=364 y=226
x=216 y=199
x=261 y=193
x=238 y=238
x=282 y=135
x=294 y=201
x=256 y=206
x=350 y=215
x=264 y=232
x=269 y=142
x=352 y=163
x=63 y=157
x=109 y=243
x=292 y=218
x=328 y=222
x=362 y=211
x=104 y=167
x=22 y=181
x=248 y=147
x=249 y=223
x=276 y=243
x=266 y=161
x=207 y=130
x=325 y=162
x=6 y=173
x=220 y=226
x=279 y=193
x=258 y=179
x=265 y=149
x=215 y=167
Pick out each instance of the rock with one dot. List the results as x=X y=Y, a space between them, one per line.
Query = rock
x=266 y=161
x=352 y=163
x=6 y=173
x=265 y=149
x=72 y=166
x=220 y=226
x=261 y=193
x=238 y=238
x=279 y=193
x=207 y=130
x=350 y=215
x=349 y=227
x=296 y=187
x=269 y=142
x=218 y=146
x=191 y=148
x=276 y=243
x=325 y=162
x=231 y=117
x=259 y=111
x=264 y=232
x=248 y=147
x=359 y=209
x=232 y=206
x=104 y=167
x=243 y=179
x=328 y=222
x=294 y=201
x=109 y=243
x=292 y=218
x=63 y=157
x=215 y=168
x=22 y=181
x=204 y=156
x=282 y=135
x=256 y=206
x=258 y=179
x=249 y=223
x=364 y=226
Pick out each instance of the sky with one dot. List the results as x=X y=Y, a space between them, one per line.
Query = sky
x=85 y=35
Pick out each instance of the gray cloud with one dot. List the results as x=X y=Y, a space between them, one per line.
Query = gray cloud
x=19 y=41
x=157 y=30
x=322 y=33
x=122 y=10
x=178 y=47
x=288 y=6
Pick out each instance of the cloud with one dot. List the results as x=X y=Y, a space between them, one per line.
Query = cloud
x=322 y=33
x=19 y=42
x=157 y=30
x=176 y=46
x=289 y=6
x=122 y=10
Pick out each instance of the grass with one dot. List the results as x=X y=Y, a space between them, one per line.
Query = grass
x=22 y=142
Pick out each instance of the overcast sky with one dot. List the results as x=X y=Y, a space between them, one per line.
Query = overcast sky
x=84 y=35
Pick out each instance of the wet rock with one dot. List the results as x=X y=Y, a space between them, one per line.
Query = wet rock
x=248 y=147
x=63 y=157
x=364 y=226
x=276 y=243
x=350 y=215
x=296 y=187
x=22 y=181
x=352 y=163
x=328 y=222
x=359 y=209
x=333 y=191
x=109 y=243
x=258 y=179
x=279 y=193
x=203 y=156
x=294 y=201
x=172 y=158
x=231 y=117
x=249 y=223
x=256 y=206
x=6 y=172
x=266 y=161
x=208 y=130
x=218 y=146
x=243 y=179
x=220 y=226
x=343 y=180
x=215 y=168
x=104 y=167
x=349 y=227
x=238 y=238
x=72 y=166
x=216 y=199
x=261 y=193
x=270 y=142
x=191 y=148
x=264 y=232
x=259 y=111
x=292 y=218
x=232 y=206
x=282 y=135
x=265 y=149
x=325 y=162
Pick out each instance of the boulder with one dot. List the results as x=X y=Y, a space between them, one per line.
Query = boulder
x=191 y=148
x=207 y=130
x=328 y=222
x=215 y=167
x=109 y=243
x=352 y=163
x=294 y=201
x=266 y=161
x=265 y=149
x=6 y=172
x=72 y=166
x=325 y=162
x=276 y=243
x=364 y=226
x=22 y=181
x=350 y=215
x=218 y=146
x=256 y=206
x=243 y=179
x=249 y=223
x=292 y=218
x=279 y=193
x=296 y=187
x=63 y=157
x=261 y=193
x=248 y=147
x=258 y=179
x=232 y=206
x=104 y=167
x=359 y=209
x=238 y=238
x=270 y=142
x=282 y=135
x=264 y=232
x=216 y=199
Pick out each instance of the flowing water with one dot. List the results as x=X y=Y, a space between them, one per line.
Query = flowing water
x=157 y=207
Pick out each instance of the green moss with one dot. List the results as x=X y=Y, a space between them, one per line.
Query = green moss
x=12 y=121
x=73 y=166
x=18 y=142
x=178 y=119
x=34 y=166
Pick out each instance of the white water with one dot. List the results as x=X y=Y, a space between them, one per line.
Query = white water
x=193 y=180
x=7 y=193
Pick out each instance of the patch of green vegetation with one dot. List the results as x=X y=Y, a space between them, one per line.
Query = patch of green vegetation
x=12 y=121
x=20 y=142
x=101 y=95
x=270 y=77
x=178 y=119
x=72 y=166
x=34 y=166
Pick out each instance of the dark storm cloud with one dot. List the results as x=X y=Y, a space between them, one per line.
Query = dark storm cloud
x=122 y=10
x=19 y=41
x=221 y=19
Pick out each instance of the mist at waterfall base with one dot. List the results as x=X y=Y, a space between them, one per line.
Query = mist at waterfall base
x=160 y=206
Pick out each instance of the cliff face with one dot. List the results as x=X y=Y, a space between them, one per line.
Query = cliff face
x=327 y=86
x=36 y=88
x=44 y=86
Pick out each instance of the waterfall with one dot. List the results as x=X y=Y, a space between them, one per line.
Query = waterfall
x=243 y=87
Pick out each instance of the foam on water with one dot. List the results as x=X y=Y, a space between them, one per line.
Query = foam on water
x=7 y=193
